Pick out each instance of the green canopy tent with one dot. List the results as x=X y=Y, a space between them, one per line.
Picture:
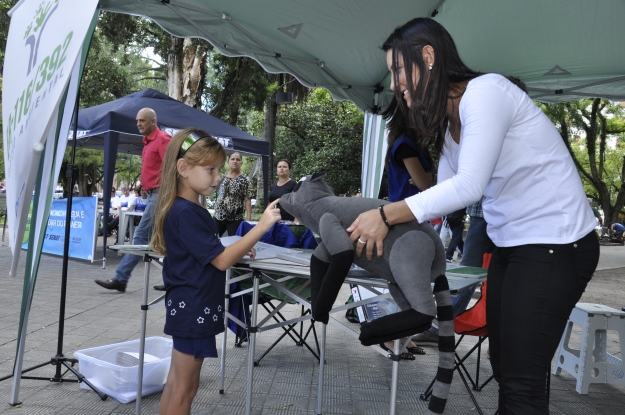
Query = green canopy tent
x=563 y=50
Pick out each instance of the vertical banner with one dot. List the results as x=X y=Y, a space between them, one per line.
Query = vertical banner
x=82 y=228
x=374 y=145
x=44 y=51
x=45 y=38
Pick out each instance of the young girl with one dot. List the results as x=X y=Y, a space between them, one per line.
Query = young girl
x=195 y=260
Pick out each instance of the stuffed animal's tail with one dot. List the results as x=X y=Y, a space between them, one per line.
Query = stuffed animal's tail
x=446 y=347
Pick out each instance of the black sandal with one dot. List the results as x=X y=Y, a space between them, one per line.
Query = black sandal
x=402 y=356
x=416 y=350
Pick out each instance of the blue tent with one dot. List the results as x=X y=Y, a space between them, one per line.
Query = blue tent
x=112 y=127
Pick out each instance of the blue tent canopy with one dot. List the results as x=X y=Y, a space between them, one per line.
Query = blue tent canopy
x=112 y=127
x=118 y=117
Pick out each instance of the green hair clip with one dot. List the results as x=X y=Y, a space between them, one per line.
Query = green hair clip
x=190 y=140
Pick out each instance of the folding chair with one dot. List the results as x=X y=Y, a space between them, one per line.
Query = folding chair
x=288 y=237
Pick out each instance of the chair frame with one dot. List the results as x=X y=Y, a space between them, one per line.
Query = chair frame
x=289 y=329
x=299 y=338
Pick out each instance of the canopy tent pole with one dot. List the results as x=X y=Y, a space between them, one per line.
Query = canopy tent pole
x=111 y=138
x=374 y=146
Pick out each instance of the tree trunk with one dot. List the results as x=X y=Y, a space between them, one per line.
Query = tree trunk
x=186 y=71
x=270 y=133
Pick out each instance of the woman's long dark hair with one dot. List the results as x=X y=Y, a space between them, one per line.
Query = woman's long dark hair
x=398 y=126
x=428 y=113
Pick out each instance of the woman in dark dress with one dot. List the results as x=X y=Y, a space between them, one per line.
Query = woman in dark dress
x=283 y=186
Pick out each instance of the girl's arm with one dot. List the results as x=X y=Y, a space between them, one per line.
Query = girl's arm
x=419 y=177
x=233 y=253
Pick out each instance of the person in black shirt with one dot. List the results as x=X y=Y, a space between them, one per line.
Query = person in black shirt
x=283 y=186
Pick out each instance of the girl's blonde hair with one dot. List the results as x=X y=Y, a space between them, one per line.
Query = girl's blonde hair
x=203 y=152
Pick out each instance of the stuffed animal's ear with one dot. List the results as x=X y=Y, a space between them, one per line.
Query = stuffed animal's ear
x=318 y=176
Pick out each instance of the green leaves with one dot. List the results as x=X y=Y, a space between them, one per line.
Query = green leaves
x=594 y=132
x=322 y=134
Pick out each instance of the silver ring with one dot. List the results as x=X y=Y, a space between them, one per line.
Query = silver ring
x=360 y=241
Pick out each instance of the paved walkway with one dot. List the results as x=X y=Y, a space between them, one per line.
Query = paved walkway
x=357 y=378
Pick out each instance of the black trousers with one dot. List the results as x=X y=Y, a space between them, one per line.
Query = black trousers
x=531 y=292
x=230 y=226
x=456 y=240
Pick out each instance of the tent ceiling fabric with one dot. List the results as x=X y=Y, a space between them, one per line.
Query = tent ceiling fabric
x=563 y=50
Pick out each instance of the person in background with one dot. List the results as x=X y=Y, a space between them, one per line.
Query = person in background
x=408 y=164
x=234 y=198
x=595 y=211
x=283 y=186
x=155 y=144
x=615 y=230
x=113 y=219
x=141 y=200
x=495 y=142
x=126 y=200
x=455 y=221
x=195 y=264
x=409 y=170
x=437 y=224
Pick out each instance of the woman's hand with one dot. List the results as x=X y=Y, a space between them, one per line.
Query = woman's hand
x=271 y=215
x=369 y=230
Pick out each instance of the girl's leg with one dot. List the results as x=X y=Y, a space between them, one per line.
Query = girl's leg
x=182 y=384
x=540 y=286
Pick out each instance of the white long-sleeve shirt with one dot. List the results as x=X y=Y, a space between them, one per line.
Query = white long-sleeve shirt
x=511 y=153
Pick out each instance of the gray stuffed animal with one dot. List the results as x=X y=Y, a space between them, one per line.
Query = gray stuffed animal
x=414 y=257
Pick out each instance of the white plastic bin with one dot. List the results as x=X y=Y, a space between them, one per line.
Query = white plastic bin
x=113 y=368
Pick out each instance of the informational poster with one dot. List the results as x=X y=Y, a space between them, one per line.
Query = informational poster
x=370 y=311
x=82 y=228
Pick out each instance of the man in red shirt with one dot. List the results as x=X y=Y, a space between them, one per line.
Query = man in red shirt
x=155 y=145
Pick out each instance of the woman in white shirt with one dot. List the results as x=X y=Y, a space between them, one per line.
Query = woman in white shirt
x=494 y=141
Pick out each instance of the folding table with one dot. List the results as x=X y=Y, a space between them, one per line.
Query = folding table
x=258 y=270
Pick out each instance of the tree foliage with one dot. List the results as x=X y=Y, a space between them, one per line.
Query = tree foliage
x=235 y=86
x=322 y=134
x=115 y=67
x=593 y=131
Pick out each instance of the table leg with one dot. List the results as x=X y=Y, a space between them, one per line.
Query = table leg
x=322 y=361
x=222 y=372
x=131 y=229
x=121 y=227
x=251 y=335
x=144 y=316
x=394 y=377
